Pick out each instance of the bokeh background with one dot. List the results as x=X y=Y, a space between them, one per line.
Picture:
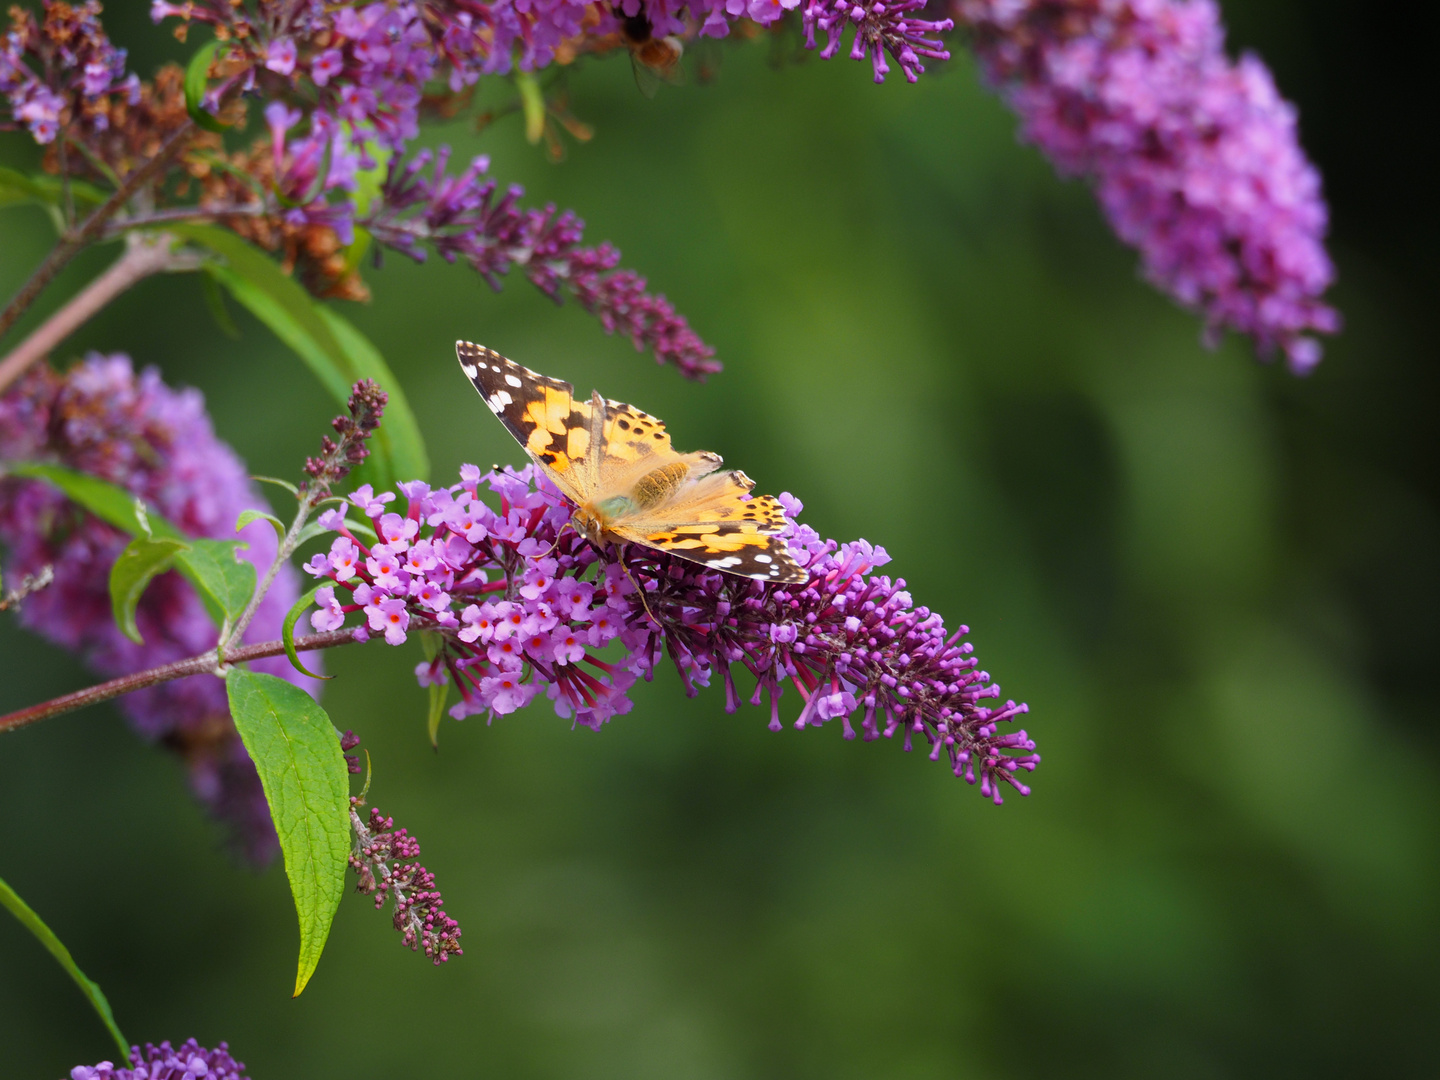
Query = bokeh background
x=1215 y=584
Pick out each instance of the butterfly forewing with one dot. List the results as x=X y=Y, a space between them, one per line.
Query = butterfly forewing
x=539 y=411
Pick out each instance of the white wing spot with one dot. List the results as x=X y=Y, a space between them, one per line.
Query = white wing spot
x=727 y=562
x=470 y=370
x=513 y=381
x=763 y=559
x=498 y=400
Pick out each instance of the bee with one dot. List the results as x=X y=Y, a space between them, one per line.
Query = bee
x=655 y=60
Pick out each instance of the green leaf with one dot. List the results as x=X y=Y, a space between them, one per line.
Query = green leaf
x=294 y=747
x=287 y=631
x=227 y=579
x=277 y=300
x=335 y=351
x=260 y=515
x=197 y=74
x=286 y=484
x=93 y=994
x=532 y=104
x=398 y=441
x=17 y=189
x=142 y=559
x=117 y=507
x=215 y=301
x=106 y=501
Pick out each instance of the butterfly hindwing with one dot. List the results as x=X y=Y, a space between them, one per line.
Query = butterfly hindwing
x=715 y=524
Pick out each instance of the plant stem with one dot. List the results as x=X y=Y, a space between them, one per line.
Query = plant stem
x=143 y=256
x=206 y=662
x=71 y=245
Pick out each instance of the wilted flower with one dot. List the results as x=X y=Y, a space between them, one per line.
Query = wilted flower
x=61 y=69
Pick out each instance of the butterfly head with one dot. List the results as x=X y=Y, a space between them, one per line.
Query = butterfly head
x=594 y=520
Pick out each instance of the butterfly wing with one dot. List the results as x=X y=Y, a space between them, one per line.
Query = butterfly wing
x=710 y=521
x=557 y=431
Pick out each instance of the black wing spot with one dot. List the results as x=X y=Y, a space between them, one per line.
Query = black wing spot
x=624 y=424
x=659 y=434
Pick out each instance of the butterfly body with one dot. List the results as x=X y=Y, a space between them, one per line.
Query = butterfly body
x=628 y=484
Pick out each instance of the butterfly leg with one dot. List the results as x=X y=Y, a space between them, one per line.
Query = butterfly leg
x=639 y=591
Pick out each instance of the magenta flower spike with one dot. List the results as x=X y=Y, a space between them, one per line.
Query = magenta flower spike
x=523 y=606
x=1194 y=158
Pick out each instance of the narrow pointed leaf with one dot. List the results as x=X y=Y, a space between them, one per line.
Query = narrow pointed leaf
x=439 y=692
x=32 y=922
x=293 y=744
x=106 y=501
x=16 y=188
x=439 y=695
x=286 y=484
x=276 y=299
x=142 y=559
x=215 y=301
x=115 y=506
x=197 y=73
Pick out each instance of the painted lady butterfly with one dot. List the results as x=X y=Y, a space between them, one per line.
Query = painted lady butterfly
x=615 y=463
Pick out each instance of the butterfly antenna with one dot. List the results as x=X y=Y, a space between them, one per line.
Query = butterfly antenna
x=641 y=592
x=556 y=544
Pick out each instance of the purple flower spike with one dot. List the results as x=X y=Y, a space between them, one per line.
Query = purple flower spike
x=465 y=217
x=188 y=1061
x=102 y=419
x=1194 y=159
x=522 y=604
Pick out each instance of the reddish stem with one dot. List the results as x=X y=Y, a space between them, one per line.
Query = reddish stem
x=196 y=665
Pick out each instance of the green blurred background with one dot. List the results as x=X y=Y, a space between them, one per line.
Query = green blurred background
x=1214 y=584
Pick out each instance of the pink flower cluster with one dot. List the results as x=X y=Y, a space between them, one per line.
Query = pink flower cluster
x=379 y=858
x=188 y=1061
x=1194 y=159
x=482 y=578
x=519 y=603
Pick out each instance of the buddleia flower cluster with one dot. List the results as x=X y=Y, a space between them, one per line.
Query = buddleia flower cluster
x=1194 y=158
x=519 y=605
x=103 y=419
x=188 y=1061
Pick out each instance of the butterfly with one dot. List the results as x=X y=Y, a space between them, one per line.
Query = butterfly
x=616 y=464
